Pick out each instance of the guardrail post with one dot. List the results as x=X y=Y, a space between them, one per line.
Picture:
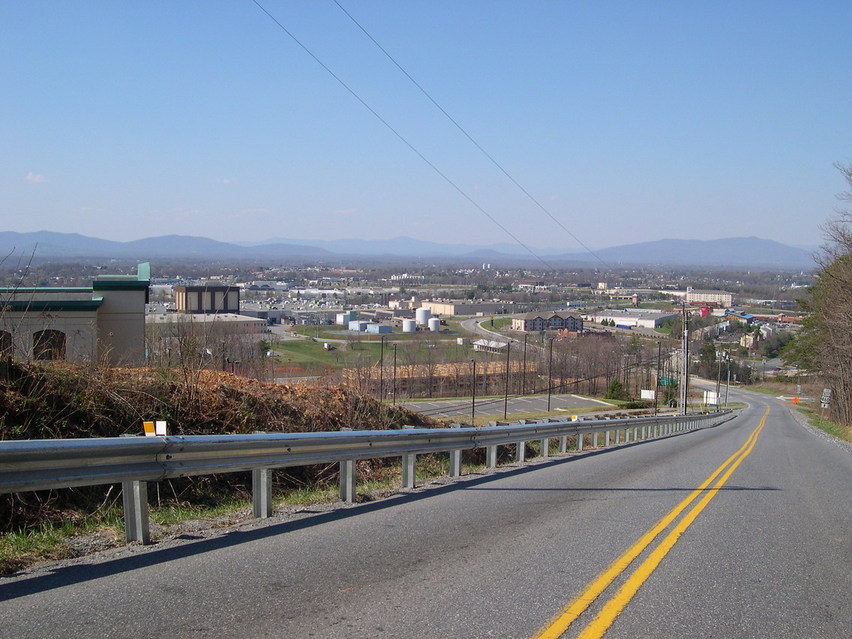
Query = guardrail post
x=491 y=456
x=134 y=495
x=347 y=480
x=520 y=452
x=545 y=448
x=606 y=439
x=408 y=460
x=594 y=440
x=455 y=459
x=261 y=492
x=563 y=444
x=579 y=446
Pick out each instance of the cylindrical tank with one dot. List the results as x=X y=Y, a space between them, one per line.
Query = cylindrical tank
x=422 y=315
x=434 y=324
x=409 y=326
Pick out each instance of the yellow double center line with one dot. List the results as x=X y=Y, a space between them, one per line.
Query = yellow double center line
x=613 y=608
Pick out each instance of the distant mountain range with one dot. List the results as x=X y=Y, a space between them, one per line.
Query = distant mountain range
x=747 y=252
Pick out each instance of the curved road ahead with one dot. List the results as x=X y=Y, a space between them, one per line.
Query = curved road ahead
x=763 y=551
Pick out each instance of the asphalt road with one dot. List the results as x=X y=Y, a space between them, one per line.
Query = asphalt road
x=765 y=554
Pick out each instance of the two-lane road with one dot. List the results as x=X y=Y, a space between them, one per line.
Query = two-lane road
x=758 y=545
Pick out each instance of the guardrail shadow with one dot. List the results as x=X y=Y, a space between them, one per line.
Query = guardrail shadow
x=92 y=569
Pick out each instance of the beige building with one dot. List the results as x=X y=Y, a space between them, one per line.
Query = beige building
x=548 y=321
x=207 y=299
x=103 y=323
x=722 y=299
x=468 y=307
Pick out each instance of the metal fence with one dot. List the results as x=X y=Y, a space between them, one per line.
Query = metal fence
x=134 y=461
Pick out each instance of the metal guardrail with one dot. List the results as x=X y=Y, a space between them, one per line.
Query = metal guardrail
x=27 y=465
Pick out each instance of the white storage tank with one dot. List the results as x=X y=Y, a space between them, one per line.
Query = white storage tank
x=422 y=315
x=434 y=324
x=409 y=326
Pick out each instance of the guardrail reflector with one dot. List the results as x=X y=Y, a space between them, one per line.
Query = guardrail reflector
x=148 y=427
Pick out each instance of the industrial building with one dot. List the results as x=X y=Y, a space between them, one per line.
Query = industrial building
x=468 y=307
x=207 y=299
x=631 y=318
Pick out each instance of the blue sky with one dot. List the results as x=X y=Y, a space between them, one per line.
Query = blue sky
x=628 y=121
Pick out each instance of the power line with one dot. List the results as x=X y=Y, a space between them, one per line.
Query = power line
x=402 y=138
x=467 y=135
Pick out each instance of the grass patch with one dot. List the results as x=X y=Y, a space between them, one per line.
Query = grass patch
x=763 y=390
x=835 y=430
x=497 y=324
x=53 y=541
x=177 y=513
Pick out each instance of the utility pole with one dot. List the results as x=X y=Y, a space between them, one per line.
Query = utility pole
x=394 y=374
x=549 y=368
x=657 y=384
x=473 y=393
x=506 y=394
x=684 y=387
x=728 y=383
x=719 y=383
x=524 y=377
x=382 y=370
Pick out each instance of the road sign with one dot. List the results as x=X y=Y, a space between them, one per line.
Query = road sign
x=668 y=381
x=825 y=400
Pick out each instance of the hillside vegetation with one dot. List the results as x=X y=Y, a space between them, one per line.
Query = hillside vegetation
x=60 y=400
